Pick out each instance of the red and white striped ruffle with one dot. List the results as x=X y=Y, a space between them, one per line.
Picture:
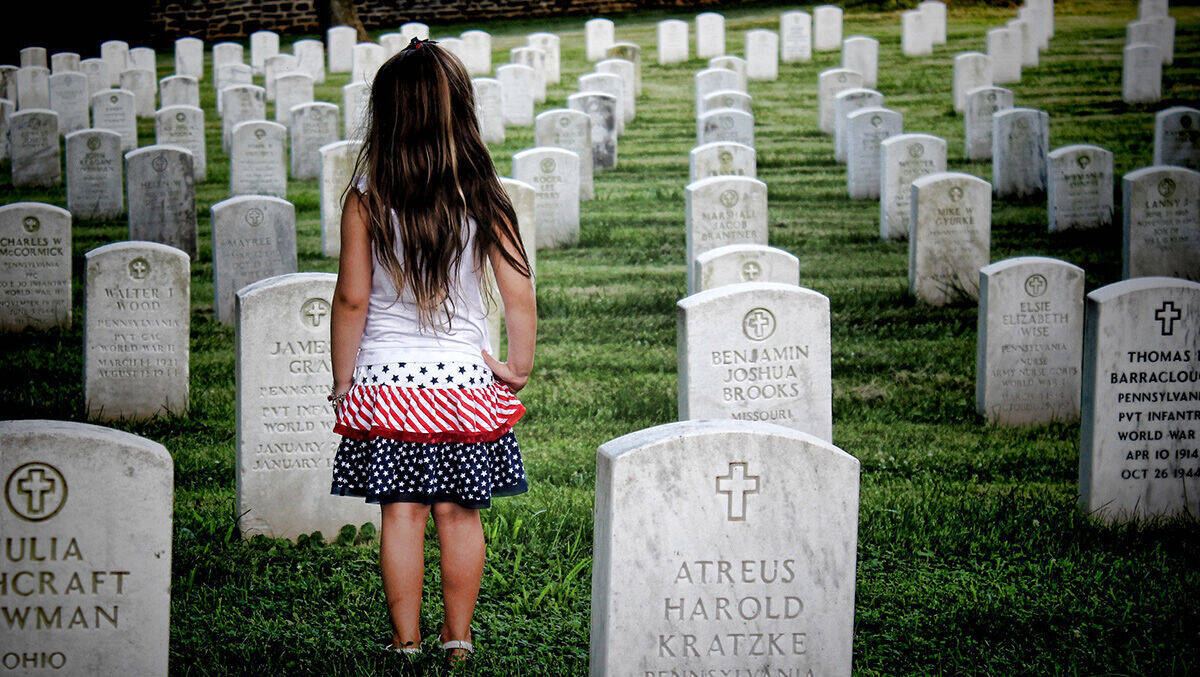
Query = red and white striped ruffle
x=429 y=414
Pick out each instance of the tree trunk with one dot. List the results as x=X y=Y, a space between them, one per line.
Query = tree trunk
x=343 y=13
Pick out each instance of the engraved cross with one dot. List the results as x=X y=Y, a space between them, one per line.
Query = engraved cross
x=1167 y=316
x=139 y=269
x=316 y=311
x=758 y=322
x=736 y=485
x=35 y=486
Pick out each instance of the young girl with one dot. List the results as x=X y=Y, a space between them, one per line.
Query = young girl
x=425 y=412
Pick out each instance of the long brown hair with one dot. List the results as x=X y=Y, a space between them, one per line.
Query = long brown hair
x=424 y=160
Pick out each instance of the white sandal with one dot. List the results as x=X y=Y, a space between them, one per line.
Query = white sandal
x=407 y=650
x=457 y=644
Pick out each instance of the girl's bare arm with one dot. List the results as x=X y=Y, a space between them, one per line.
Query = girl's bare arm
x=351 y=294
x=520 y=320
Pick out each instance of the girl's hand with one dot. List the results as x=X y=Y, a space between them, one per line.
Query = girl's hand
x=505 y=373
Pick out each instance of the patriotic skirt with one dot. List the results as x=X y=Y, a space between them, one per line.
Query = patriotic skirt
x=427 y=432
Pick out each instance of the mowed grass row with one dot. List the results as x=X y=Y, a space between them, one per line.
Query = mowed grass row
x=973 y=558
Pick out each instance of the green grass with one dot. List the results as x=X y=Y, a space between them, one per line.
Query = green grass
x=973 y=558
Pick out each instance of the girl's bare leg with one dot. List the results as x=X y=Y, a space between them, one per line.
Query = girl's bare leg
x=460 y=535
x=402 y=563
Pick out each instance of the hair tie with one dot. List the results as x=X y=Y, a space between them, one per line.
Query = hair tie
x=416 y=43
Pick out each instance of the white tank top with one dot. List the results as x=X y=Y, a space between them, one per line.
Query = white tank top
x=393 y=333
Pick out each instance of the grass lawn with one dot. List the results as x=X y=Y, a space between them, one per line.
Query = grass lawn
x=973 y=558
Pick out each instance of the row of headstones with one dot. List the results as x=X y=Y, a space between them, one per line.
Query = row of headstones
x=1149 y=45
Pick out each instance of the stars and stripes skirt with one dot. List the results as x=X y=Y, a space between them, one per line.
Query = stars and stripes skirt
x=427 y=432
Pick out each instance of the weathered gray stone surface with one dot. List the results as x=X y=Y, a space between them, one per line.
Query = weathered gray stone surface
x=535 y=58
x=865 y=131
x=116 y=56
x=722 y=158
x=113 y=109
x=756 y=351
x=478 y=47
x=570 y=129
x=950 y=236
x=720 y=544
x=1177 y=137
x=310 y=55
x=830 y=83
x=356 y=104
x=737 y=263
x=551 y=45
x=710 y=80
x=69 y=98
x=844 y=103
x=971 y=70
x=723 y=210
x=143 y=85
x=1137 y=459
x=254 y=237
x=189 y=57
x=904 y=159
x=313 y=125
x=982 y=104
x=258 y=161
x=916 y=38
x=603 y=111
x=95 y=174
x=33 y=135
x=607 y=83
x=240 y=103
x=627 y=71
x=183 y=126
x=1080 y=191
x=489 y=110
x=632 y=53
x=35 y=266
x=1020 y=143
x=727 y=98
x=33 y=88
x=135 y=337
x=161 y=195
x=1141 y=73
x=263 y=45
x=291 y=90
x=179 y=90
x=725 y=124
x=1161 y=227
x=1004 y=51
x=33 y=56
x=734 y=63
x=1030 y=345
x=93 y=505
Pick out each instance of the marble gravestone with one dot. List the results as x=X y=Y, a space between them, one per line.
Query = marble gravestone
x=63 y=62
x=1161 y=225
x=630 y=52
x=33 y=56
x=734 y=63
x=600 y=34
x=310 y=55
x=516 y=94
x=115 y=54
x=33 y=139
x=1030 y=345
x=830 y=83
x=572 y=130
x=1138 y=455
x=263 y=45
x=285 y=64
x=88 y=517
x=1026 y=41
x=1020 y=143
x=95 y=174
x=554 y=174
x=285 y=439
x=189 y=57
x=257 y=163
x=112 y=109
x=710 y=34
x=712 y=80
x=6 y=111
x=727 y=98
x=313 y=126
x=1141 y=73
x=672 y=41
x=337 y=168
x=145 y=59
x=551 y=45
x=230 y=75
x=179 y=90
x=478 y=47
x=414 y=29
x=626 y=70
x=535 y=59
x=762 y=54
x=861 y=55
x=291 y=90
x=696 y=573
x=971 y=70
x=356 y=105
x=143 y=86
x=722 y=158
x=1080 y=189
x=33 y=88
x=183 y=126
x=723 y=210
x=69 y=98
x=97 y=74
x=949 y=237
x=737 y=263
x=1177 y=137
x=607 y=83
x=161 y=195
x=756 y=351
x=982 y=104
x=240 y=103
x=846 y=102
x=725 y=124
x=935 y=20
x=795 y=36
x=339 y=42
x=368 y=57
x=254 y=237
x=135 y=337
x=916 y=39
x=1004 y=52
x=904 y=159
x=35 y=266
x=827 y=28
x=489 y=110
x=865 y=131
x=602 y=109
x=226 y=53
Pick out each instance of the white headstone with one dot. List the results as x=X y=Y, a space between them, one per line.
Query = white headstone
x=627 y=71
x=339 y=46
x=263 y=45
x=489 y=109
x=313 y=126
x=35 y=266
x=535 y=59
x=88 y=518
x=795 y=36
x=1166 y=38
x=179 y=90
x=414 y=29
x=1028 y=42
x=1161 y=227
x=846 y=102
x=1177 y=137
x=285 y=439
x=736 y=64
x=554 y=174
x=550 y=44
x=189 y=57
x=1080 y=189
x=1153 y=8
x=97 y=74
x=916 y=36
x=95 y=174
x=721 y=158
x=710 y=80
x=904 y=159
x=1141 y=73
x=136 y=328
x=737 y=263
x=861 y=54
x=337 y=168
x=516 y=94
x=368 y=57
x=830 y=83
x=240 y=103
x=727 y=98
x=827 y=28
x=607 y=83
x=1020 y=142
x=276 y=66
x=63 y=62
x=112 y=109
x=33 y=56
x=971 y=70
x=603 y=111
x=115 y=54
x=33 y=88
x=672 y=41
x=600 y=34
x=1030 y=341
x=723 y=210
x=710 y=34
x=1004 y=51
x=33 y=134
x=162 y=196
x=725 y=124
x=291 y=90
x=454 y=46
x=227 y=54
x=231 y=75
x=935 y=19
x=720 y=544
x=478 y=46
x=356 y=104
x=258 y=159
x=253 y=237
x=310 y=55
x=950 y=236
x=1137 y=457
x=522 y=196
x=865 y=131
x=143 y=86
x=629 y=52
x=183 y=126
x=756 y=351
x=982 y=104
x=144 y=58
x=572 y=130
x=69 y=98
x=762 y=54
